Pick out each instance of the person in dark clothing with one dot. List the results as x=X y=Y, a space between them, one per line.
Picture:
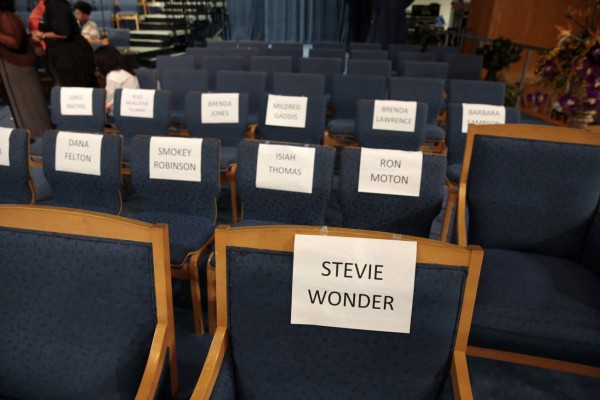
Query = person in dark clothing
x=359 y=15
x=70 y=55
x=390 y=25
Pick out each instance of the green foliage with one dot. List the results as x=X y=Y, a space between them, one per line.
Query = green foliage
x=424 y=35
x=497 y=55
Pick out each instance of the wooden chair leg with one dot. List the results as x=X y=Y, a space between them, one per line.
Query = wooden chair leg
x=137 y=22
x=118 y=21
x=196 y=296
x=234 y=205
x=211 y=295
x=450 y=203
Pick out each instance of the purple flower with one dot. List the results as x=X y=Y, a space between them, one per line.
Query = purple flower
x=549 y=70
x=592 y=93
x=590 y=73
x=595 y=56
x=590 y=104
x=569 y=102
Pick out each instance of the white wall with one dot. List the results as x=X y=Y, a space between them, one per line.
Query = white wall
x=445 y=7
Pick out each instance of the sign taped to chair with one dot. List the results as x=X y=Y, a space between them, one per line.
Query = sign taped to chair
x=79 y=153
x=395 y=172
x=482 y=114
x=287 y=168
x=175 y=158
x=220 y=108
x=286 y=111
x=353 y=283
x=5 y=146
x=394 y=115
x=76 y=101
x=137 y=103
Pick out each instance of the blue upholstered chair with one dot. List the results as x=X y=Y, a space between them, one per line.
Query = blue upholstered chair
x=16 y=186
x=366 y=136
x=287 y=45
x=179 y=82
x=200 y=52
x=80 y=123
x=247 y=54
x=426 y=69
x=172 y=62
x=389 y=213
x=120 y=38
x=102 y=18
x=279 y=360
x=370 y=67
x=131 y=126
x=427 y=90
x=297 y=84
x=456 y=138
x=365 y=46
x=88 y=192
x=293 y=50
x=328 y=53
x=270 y=65
x=84 y=295
x=464 y=66
x=189 y=208
x=326 y=66
x=147 y=77
x=394 y=48
x=264 y=206
x=368 y=55
x=329 y=45
x=401 y=57
x=476 y=92
x=347 y=90
x=128 y=11
x=253 y=44
x=222 y=44
x=532 y=195
x=214 y=64
x=252 y=83
x=441 y=51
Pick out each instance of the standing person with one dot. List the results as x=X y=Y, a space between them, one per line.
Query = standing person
x=18 y=72
x=89 y=29
x=33 y=22
x=111 y=64
x=71 y=56
x=390 y=25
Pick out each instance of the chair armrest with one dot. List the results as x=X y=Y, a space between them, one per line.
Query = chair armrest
x=459 y=371
x=212 y=366
x=156 y=360
x=251 y=132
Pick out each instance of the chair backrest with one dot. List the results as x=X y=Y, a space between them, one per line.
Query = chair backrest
x=247 y=54
x=252 y=83
x=253 y=44
x=456 y=138
x=102 y=18
x=440 y=51
x=427 y=90
x=282 y=206
x=292 y=51
x=16 y=186
x=147 y=77
x=401 y=57
x=170 y=62
x=326 y=66
x=80 y=123
x=463 y=66
x=370 y=67
x=313 y=131
x=369 y=54
x=261 y=340
x=157 y=125
x=270 y=65
x=422 y=69
x=364 y=46
x=105 y=292
x=298 y=84
x=327 y=53
x=366 y=136
x=329 y=45
x=228 y=134
x=222 y=44
x=287 y=45
x=81 y=190
x=181 y=81
x=477 y=92
x=128 y=6
x=529 y=188
x=119 y=38
x=348 y=89
x=173 y=196
x=200 y=52
x=394 y=48
x=391 y=213
x=214 y=64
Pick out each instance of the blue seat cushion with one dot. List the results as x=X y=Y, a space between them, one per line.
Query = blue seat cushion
x=228 y=156
x=434 y=132
x=453 y=172
x=187 y=233
x=253 y=119
x=539 y=305
x=341 y=125
x=256 y=222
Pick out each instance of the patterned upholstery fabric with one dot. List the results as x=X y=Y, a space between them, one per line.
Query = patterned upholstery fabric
x=348 y=89
x=252 y=83
x=464 y=66
x=88 y=192
x=147 y=77
x=389 y=213
x=401 y=57
x=216 y=63
x=282 y=206
x=477 y=92
x=427 y=90
x=539 y=305
x=424 y=69
x=326 y=66
x=297 y=84
x=370 y=67
x=157 y=126
x=276 y=360
x=312 y=133
x=88 y=123
x=179 y=82
x=366 y=136
x=15 y=180
x=84 y=331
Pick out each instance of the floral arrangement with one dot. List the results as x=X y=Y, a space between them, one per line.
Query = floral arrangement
x=497 y=55
x=573 y=65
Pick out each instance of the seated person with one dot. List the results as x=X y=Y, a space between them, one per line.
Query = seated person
x=111 y=65
x=89 y=29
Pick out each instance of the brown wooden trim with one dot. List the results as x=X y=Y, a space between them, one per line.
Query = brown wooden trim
x=212 y=366
x=459 y=372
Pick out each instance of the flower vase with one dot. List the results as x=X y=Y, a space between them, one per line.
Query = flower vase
x=581 y=119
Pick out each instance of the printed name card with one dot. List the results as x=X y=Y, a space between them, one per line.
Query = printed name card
x=79 y=153
x=287 y=168
x=137 y=103
x=220 y=108
x=392 y=115
x=286 y=111
x=395 y=172
x=353 y=283
x=5 y=146
x=76 y=101
x=482 y=114
x=175 y=159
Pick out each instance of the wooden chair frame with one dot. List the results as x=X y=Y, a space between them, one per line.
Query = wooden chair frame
x=526 y=132
x=96 y=225
x=281 y=238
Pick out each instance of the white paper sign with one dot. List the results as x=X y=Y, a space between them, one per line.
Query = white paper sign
x=394 y=172
x=220 y=108
x=76 y=101
x=287 y=168
x=393 y=115
x=137 y=103
x=353 y=283
x=176 y=158
x=79 y=153
x=5 y=146
x=482 y=114
x=286 y=111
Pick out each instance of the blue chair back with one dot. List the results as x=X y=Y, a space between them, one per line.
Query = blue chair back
x=370 y=67
x=427 y=90
x=394 y=48
x=200 y=52
x=253 y=44
x=222 y=44
x=441 y=51
x=179 y=82
x=348 y=89
x=326 y=66
x=401 y=57
x=164 y=63
x=477 y=92
x=16 y=186
x=120 y=38
x=157 y=126
x=247 y=54
x=214 y=64
x=328 y=53
x=422 y=69
x=80 y=123
x=252 y=83
x=298 y=84
x=368 y=54
x=329 y=45
x=365 y=46
x=463 y=66
x=292 y=51
x=270 y=65
x=147 y=77
x=128 y=6
x=103 y=18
